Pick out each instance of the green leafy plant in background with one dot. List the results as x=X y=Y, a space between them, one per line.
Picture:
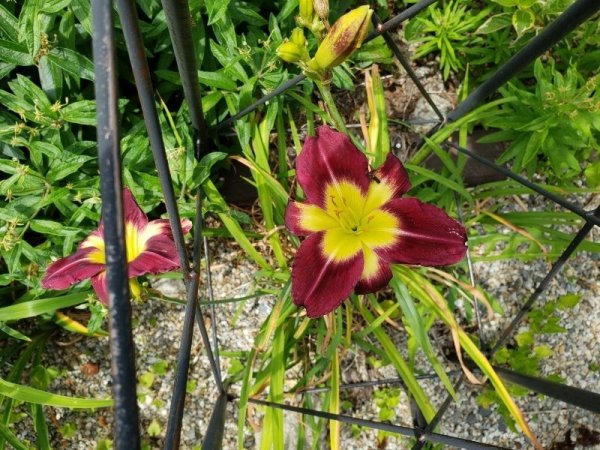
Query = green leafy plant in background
x=525 y=15
x=448 y=31
x=554 y=129
x=525 y=356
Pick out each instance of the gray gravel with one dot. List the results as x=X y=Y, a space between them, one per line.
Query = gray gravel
x=84 y=368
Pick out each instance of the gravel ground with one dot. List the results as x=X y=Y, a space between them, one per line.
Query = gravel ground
x=84 y=367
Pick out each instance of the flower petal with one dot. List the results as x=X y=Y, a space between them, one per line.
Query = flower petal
x=393 y=174
x=302 y=219
x=321 y=284
x=70 y=270
x=159 y=255
x=99 y=285
x=426 y=235
x=133 y=213
x=376 y=273
x=339 y=245
x=186 y=226
x=329 y=158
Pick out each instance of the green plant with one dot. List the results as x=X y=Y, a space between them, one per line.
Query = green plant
x=50 y=197
x=524 y=355
x=554 y=129
x=448 y=29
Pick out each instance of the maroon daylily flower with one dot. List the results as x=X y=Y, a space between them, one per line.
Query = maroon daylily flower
x=150 y=249
x=356 y=225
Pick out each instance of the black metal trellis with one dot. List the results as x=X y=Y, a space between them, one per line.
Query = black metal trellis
x=122 y=353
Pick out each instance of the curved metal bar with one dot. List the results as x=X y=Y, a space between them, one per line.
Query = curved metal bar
x=406 y=66
x=122 y=351
x=556 y=268
x=581 y=398
x=179 y=22
x=143 y=84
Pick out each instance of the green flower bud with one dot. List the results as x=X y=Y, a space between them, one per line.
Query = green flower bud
x=322 y=9
x=345 y=36
x=298 y=37
x=291 y=52
x=306 y=11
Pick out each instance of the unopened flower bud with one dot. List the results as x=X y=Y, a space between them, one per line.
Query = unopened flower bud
x=297 y=37
x=345 y=36
x=322 y=9
x=291 y=52
x=306 y=11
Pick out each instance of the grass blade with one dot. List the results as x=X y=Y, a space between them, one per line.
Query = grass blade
x=31 y=395
x=34 y=308
x=401 y=366
x=233 y=225
x=428 y=294
x=334 y=382
x=11 y=438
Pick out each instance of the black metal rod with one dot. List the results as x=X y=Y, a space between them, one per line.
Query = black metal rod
x=173 y=435
x=397 y=20
x=261 y=101
x=126 y=414
x=588 y=216
x=143 y=83
x=372 y=383
x=405 y=63
x=556 y=268
x=573 y=16
x=431 y=426
x=216 y=427
x=213 y=312
x=405 y=431
x=179 y=22
x=568 y=394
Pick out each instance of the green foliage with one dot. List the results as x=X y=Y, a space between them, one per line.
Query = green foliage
x=525 y=356
x=554 y=129
x=448 y=30
x=386 y=400
x=50 y=198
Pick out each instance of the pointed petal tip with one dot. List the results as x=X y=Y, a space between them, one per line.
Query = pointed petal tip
x=428 y=236
x=132 y=211
x=186 y=225
x=99 y=285
x=319 y=284
x=393 y=173
x=68 y=271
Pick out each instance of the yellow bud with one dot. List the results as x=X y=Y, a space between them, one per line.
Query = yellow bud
x=322 y=9
x=134 y=288
x=345 y=36
x=291 y=52
x=306 y=11
x=297 y=37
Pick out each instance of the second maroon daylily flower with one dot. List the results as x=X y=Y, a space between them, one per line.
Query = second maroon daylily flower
x=356 y=225
x=150 y=249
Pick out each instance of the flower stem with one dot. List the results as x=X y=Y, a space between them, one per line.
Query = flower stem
x=332 y=110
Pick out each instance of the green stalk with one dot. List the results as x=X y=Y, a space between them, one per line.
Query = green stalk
x=334 y=113
x=401 y=366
